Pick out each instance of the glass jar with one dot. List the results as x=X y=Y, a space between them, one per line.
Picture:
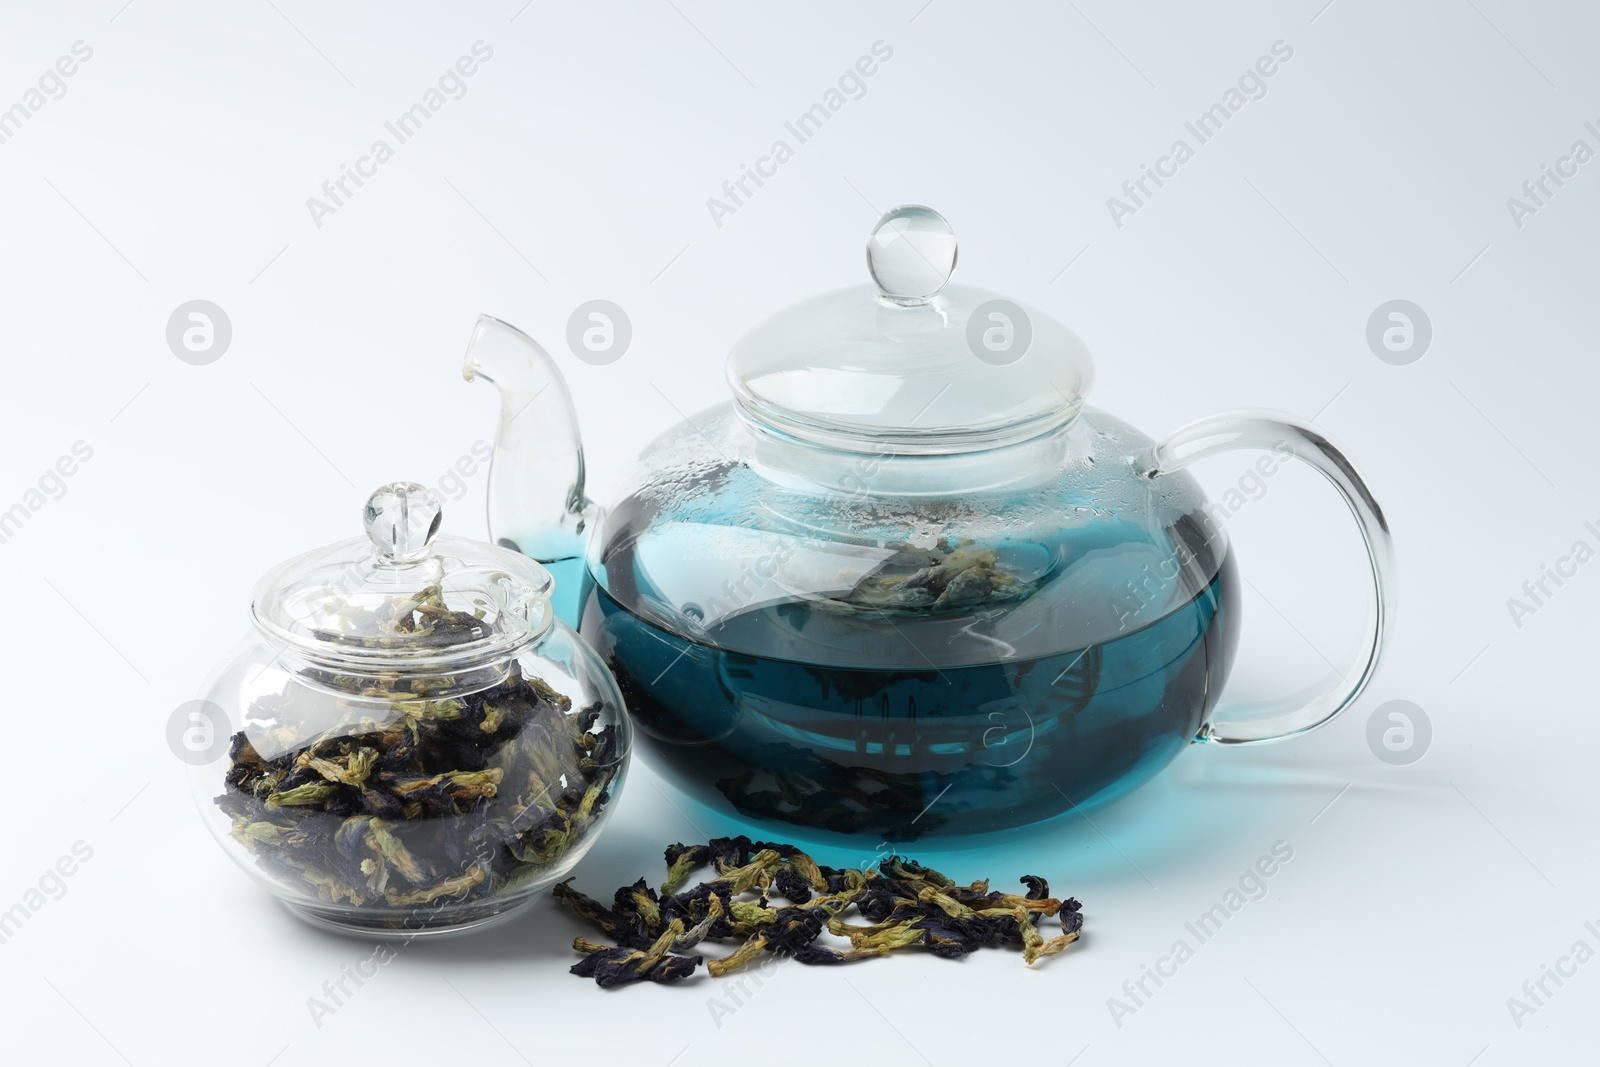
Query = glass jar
x=414 y=741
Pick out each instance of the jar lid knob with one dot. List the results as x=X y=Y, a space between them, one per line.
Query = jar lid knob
x=911 y=254
x=402 y=519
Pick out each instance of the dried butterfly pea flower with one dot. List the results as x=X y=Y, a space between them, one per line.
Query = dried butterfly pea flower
x=620 y=965
x=910 y=905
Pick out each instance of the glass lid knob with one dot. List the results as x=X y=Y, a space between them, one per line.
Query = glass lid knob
x=402 y=519
x=911 y=253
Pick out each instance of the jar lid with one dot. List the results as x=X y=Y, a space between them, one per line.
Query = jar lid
x=402 y=599
x=910 y=363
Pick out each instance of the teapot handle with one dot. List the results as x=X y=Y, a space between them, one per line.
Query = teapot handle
x=1276 y=719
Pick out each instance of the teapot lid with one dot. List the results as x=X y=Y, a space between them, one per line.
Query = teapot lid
x=911 y=363
x=403 y=599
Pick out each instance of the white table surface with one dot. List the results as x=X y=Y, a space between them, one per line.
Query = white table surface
x=176 y=164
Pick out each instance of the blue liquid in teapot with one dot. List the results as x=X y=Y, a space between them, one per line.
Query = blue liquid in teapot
x=999 y=704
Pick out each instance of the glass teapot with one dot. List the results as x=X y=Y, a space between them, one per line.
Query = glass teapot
x=904 y=582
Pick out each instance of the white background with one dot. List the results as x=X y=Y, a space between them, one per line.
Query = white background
x=177 y=166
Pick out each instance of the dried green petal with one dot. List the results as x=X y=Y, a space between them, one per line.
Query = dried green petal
x=310 y=793
x=739 y=957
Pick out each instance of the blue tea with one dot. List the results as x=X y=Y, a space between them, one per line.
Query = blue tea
x=899 y=722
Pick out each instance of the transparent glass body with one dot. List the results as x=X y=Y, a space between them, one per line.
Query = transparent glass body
x=910 y=657
x=379 y=811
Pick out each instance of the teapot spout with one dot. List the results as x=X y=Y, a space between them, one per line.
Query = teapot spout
x=537 y=504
